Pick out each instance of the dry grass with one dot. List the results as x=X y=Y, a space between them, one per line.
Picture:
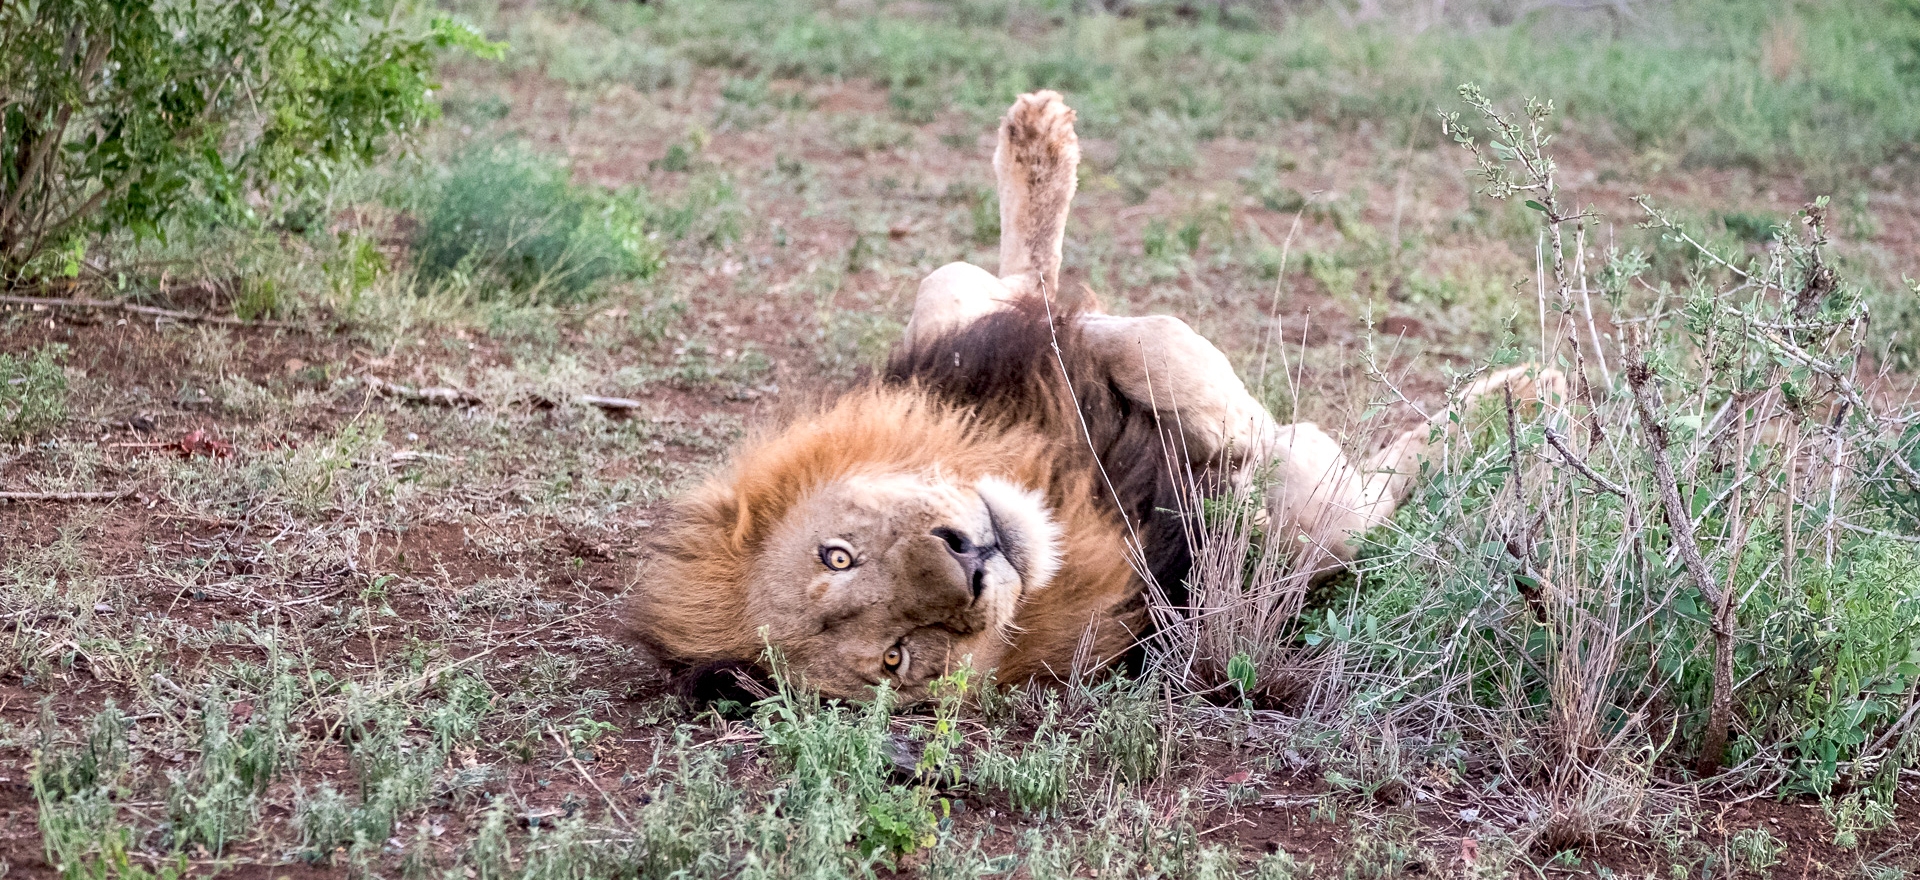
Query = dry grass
x=373 y=635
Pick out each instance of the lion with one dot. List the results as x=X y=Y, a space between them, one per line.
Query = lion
x=1005 y=493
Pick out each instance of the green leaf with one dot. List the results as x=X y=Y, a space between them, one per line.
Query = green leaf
x=1536 y=206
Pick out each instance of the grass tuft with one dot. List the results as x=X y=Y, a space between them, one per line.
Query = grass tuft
x=502 y=220
x=33 y=392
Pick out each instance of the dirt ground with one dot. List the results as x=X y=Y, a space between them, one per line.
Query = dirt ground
x=381 y=579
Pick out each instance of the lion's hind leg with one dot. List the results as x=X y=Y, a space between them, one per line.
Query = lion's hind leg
x=1391 y=471
x=1331 y=503
x=1035 y=162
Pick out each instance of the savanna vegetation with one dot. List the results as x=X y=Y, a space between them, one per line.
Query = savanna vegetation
x=351 y=349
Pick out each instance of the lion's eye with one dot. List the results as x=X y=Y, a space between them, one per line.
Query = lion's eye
x=896 y=658
x=836 y=557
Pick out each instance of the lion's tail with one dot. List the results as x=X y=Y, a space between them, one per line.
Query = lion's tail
x=1035 y=163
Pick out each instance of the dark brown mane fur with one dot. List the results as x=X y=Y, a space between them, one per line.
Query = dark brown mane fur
x=1025 y=366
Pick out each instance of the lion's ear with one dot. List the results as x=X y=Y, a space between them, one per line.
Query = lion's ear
x=720 y=515
x=742 y=520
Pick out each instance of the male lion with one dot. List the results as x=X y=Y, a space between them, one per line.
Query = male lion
x=978 y=504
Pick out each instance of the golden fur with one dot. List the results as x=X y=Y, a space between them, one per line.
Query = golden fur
x=694 y=603
x=980 y=504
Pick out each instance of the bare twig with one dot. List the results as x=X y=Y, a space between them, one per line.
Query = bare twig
x=1559 y=443
x=1646 y=398
x=435 y=396
x=112 y=305
x=1894 y=729
x=611 y=404
x=1520 y=547
x=580 y=768
x=1663 y=222
x=166 y=684
x=65 y=496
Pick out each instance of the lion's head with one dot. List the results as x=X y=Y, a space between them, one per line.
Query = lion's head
x=888 y=540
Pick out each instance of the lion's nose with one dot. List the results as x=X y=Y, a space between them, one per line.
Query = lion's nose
x=972 y=557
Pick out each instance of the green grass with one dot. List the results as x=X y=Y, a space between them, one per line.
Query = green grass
x=1720 y=83
x=502 y=220
x=379 y=638
x=33 y=392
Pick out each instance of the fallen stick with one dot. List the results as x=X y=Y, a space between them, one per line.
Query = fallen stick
x=581 y=769
x=63 y=496
x=435 y=396
x=166 y=684
x=617 y=404
x=133 y=308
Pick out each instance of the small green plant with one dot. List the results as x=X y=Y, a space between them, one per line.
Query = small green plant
x=33 y=392
x=1262 y=181
x=848 y=341
x=838 y=759
x=983 y=209
x=215 y=803
x=1378 y=853
x=1152 y=150
x=505 y=220
x=1281 y=865
x=1755 y=849
x=940 y=759
x=1126 y=731
x=97 y=763
x=1037 y=778
x=394 y=775
x=1750 y=227
x=901 y=822
x=1855 y=813
x=77 y=790
x=467 y=700
x=709 y=212
x=585 y=730
x=864 y=134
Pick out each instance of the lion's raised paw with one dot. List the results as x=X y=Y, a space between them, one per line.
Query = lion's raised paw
x=1040 y=124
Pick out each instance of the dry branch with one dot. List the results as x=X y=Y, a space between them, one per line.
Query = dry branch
x=611 y=404
x=435 y=396
x=444 y=396
x=568 y=751
x=1646 y=398
x=1559 y=443
x=64 y=496
x=111 y=305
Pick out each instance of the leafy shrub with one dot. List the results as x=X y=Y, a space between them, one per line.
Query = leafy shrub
x=505 y=218
x=33 y=392
x=1834 y=660
x=120 y=116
